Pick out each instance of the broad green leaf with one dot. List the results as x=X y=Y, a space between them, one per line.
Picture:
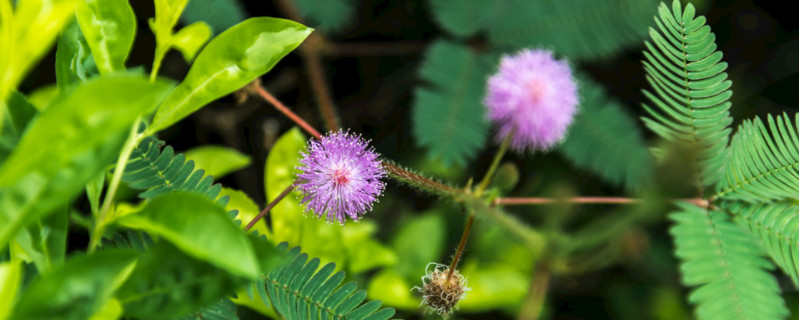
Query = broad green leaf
x=417 y=251
x=10 y=276
x=246 y=207
x=75 y=138
x=219 y=14
x=448 y=116
x=363 y=251
x=168 y=283
x=606 y=140
x=217 y=161
x=191 y=38
x=29 y=28
x=188 y=220
x=19 y=112
x=78 y=288
x=41 y=97
x=110 y=28
x=492 y=286
x=111 y=310
x=45 y=241
x=392 y=288
x=231 y=60
x=74 y=61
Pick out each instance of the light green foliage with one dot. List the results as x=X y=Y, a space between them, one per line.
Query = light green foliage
x=223 y=310
x=19 y=112
x=245 y=207
x=188 y=40
x=764 y=162
x=69 y=144
x=42 y=96
x=606 y=140
x=776 y=225
x=109 y=27
x=217 y=161
x=94 y=189
x=44 y=242
x=231 y=60
x=352 y=247
x=76 y=289
x=299 y=290
x=329 y=16
x=726 y=262
x=111 y=310
x=10 y=276
x=448 y=115
x=577 y=29
x=191 y=38
x=187 y=220
x=393 y=289
x=74 y=61
x=29 y=28
x=219 y=14
x=690 y=103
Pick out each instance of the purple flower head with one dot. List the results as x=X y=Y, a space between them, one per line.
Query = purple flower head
x=340 y=177
x=533 y=98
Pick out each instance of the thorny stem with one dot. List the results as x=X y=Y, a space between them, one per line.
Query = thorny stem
x=309 y=50
x=495 y=163
x=461 y=244
x=269 y=207
x=283 y=109
x=100 y=224
x=585 y=200
x=418 y=180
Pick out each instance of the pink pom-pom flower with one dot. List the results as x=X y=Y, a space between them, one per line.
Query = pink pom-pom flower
x=533 y=98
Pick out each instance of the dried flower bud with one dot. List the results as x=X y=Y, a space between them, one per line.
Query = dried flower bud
x=440 y=293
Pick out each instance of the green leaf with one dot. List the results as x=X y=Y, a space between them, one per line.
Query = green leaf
x=328 y=16
x=690 y=104
x=41 y=97
x=78 y=288
x=776 y=225
x=246 y=209
x=29 y=28
x=606 y=140
x=224 y=310
x=217 y=161
x=392 y=289
x=167 y=283
x=363 y=252
x=69 y=144
x=74 y=61
x=19 y=113
x=45 y=241
x=94 y=189
x=493 y=286
x=231 y=60
x=219 y=14
x=726 y=263
x=416 y=251
x=111 y=310
x=191 y=38
x=10 y=276
x=110 y=28
x=763 y=166
x=187 y=220
x=448 y=115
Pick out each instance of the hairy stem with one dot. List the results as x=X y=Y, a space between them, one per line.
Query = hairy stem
x=99 y=227
x=269 y=207
x=585 y=200
x=419 y=181
x=495 y=163
x=283 y=109
x=461 y=244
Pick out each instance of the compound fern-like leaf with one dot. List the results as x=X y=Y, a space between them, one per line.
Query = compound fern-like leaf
x=726 y=262
x=690 y=99
x=776 y=225
x=298 y=290
x=764 y=162
x=222 y=310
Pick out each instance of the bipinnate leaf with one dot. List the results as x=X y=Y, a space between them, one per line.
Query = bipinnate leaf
x=109 y=27
x=726 y=264
x=231 y=60
x=187 y=221
x=68 y=144
x=78 y=288
x=448 y=114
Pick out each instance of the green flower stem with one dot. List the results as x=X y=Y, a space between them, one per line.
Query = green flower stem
x=161 y=51
x=100 y=224
x=269 y=207
x=493 y=168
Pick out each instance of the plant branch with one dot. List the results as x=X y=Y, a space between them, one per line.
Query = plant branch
x=461 y=244
x=583 y=200
x=269 y=207
x=283 y=109
x=419 y=181
x=492 y=168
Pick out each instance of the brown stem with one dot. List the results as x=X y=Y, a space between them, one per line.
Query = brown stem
x=461 y=244
x=594 y=200
x=269 y=207
x=283 y=109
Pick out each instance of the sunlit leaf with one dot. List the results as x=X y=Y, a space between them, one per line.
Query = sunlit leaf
x=109 y=27
x=10 y=276
x=217 y=161
x=191 y=38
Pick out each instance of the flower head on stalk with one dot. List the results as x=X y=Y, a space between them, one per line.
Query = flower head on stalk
x=340 y=177
x=533 y=98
